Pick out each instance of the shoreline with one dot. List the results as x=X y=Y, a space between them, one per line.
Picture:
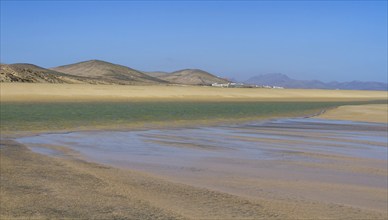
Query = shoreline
x=119 y=116
x=177 y=124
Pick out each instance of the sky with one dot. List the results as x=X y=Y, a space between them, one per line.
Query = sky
x=323 y=40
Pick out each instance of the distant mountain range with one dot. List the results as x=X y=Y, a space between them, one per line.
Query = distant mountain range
x=282 y=80
x=101 y=72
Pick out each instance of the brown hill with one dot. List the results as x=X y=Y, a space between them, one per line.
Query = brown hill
x=192 y=77
x=108 y=72
x=24 y=72
x=156 y=74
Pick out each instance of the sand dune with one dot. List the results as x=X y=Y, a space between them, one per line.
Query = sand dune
x=85 y=92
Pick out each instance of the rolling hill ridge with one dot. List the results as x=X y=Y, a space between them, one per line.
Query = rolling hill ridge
x=108 y=72
x=102 y=72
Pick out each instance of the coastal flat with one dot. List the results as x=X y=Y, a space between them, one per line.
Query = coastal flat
x=30 y=92
x=69 y=184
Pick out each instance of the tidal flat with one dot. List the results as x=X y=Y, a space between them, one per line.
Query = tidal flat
x=189 y=160
x=274 y=169
x=337 y=161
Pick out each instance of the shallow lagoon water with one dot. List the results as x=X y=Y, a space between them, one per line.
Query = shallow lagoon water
x=263 y=140
x=349 y=158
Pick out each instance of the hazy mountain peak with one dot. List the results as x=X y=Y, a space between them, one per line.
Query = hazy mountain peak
x=275 y=75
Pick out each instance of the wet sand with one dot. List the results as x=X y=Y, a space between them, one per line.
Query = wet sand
x=36 y=92
x=286 y=169
x=39 y=187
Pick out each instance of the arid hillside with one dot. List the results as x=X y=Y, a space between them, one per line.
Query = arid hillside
x=23 y=72
x=192 y=77
x=108 y=72
x=156 y=74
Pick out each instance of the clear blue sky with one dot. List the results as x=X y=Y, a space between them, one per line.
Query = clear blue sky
x=327 y=40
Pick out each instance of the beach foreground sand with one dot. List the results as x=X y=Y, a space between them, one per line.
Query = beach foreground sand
x=41 y=187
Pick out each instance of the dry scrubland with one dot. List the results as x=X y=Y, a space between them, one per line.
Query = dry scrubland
x=24 y=92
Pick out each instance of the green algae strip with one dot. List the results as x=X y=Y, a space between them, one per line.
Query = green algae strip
x=32 y=117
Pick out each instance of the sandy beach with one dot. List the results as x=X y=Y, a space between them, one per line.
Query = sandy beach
x=368 y=113
x=35 y=92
